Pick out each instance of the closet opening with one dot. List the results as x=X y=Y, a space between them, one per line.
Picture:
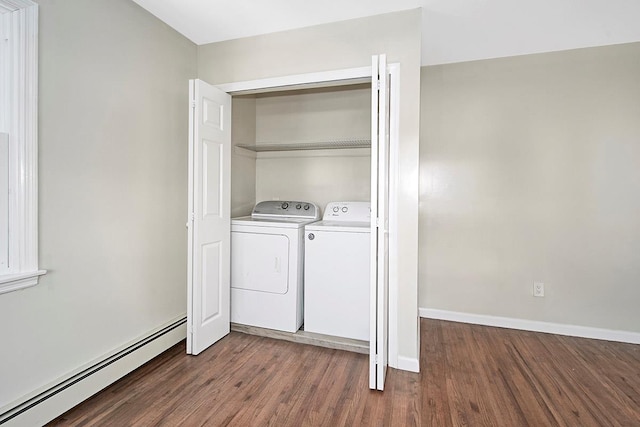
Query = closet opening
x=305 y=144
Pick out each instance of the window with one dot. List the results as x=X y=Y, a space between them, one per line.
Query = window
x=18 y=145
x=4 y=202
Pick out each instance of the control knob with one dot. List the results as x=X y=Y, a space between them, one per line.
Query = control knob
x=336 y=208
x=285 y=205
x=298 y=206
x=306 y=207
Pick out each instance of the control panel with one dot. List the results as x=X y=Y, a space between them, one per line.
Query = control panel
x=348 y=211
x=286 y=209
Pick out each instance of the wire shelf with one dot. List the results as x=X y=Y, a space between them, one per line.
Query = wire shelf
x=322 y=145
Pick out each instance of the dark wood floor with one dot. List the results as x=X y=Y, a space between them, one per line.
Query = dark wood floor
x=471 y=375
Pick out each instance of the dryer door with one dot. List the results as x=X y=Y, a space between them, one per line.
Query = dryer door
x=260 y=262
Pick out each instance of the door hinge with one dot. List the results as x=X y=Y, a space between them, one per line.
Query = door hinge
x=193 y=104
x=377 y=85
x=376 y=359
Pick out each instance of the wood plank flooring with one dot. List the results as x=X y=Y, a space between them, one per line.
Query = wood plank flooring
x=471 y=375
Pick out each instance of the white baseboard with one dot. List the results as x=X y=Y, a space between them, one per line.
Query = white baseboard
x=48 y=404
x=408 y=364
x=533 y=325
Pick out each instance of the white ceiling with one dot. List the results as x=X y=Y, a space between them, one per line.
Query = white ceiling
x=452 y=30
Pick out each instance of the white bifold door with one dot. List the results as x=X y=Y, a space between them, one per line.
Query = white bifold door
x=209 y=223
x=379 y=290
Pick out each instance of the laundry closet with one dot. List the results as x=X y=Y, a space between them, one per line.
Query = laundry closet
x=302 y=148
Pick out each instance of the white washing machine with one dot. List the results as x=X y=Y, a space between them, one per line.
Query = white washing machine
x=267 y=261
x=336 y=274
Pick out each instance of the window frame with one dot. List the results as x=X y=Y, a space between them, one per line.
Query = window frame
x=20 y=120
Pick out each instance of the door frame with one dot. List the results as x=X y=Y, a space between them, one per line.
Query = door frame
x=342 y=77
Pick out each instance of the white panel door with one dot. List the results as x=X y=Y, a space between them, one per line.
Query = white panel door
x=208 y=311
x=379 y=290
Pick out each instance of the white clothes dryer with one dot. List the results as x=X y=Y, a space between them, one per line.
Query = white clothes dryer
x=337 y=271
x=267 y=261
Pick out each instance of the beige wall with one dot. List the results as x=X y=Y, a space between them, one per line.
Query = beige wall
x=243 y=162
x=343 y=45
x=318 y=115
x=530 y=171
x=113 y=179
x=321 y=178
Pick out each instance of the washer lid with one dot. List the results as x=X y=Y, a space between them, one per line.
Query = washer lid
x=340 y=226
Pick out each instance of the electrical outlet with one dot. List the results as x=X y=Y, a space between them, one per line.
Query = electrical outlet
x=538 y=289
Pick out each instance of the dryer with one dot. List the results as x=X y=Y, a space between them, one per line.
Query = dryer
x=267 y=262
x=337 y=271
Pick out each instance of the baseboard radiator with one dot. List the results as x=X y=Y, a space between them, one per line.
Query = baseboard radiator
x=59 y=398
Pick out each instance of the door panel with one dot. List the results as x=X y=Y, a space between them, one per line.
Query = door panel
x=379 y=288
x=382 y=341
x=212 y=158
x=211 y=278
x=212 y=113
x=208 y=311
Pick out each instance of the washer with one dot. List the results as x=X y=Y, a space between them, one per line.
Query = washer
x=267 y=260
x=337 y=263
